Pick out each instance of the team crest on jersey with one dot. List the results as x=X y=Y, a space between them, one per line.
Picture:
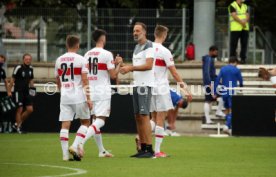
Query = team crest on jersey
x=30 y=73
x=23 y=74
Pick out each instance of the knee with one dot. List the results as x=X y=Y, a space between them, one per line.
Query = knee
x=29 y=109
x=85 y=122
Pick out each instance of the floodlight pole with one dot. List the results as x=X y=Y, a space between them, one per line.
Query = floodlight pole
x=204 y=26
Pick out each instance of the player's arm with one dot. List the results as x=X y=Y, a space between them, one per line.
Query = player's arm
x=172 y=114
x=85 y=84
x=57 y=77
x=147 y=66
x=217 y=81
x=129 y=68
x=114 y=72
x=58 y=83
x=183 y=85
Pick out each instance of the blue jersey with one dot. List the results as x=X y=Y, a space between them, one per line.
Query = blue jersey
x=208 y=70
x=176 y=97
x=229 y=76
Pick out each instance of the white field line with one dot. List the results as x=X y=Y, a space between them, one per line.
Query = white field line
x=77 y=171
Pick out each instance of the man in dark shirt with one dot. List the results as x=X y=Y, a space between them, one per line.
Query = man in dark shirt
x=22 y=80
x=209 y=76
x=3 y=79
x=2 y=71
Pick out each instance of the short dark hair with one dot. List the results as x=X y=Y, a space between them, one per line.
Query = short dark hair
x=2 y=56
x=185 y=104
x=141 y=24
x=160 y=30
x=233 y=59
x=26 y=54
x=72 y=41
x=97 y=34
x=213 y=48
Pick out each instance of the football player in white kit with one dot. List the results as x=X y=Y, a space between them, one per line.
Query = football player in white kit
x=161 y=101
x=101 y=68
x=71 y=76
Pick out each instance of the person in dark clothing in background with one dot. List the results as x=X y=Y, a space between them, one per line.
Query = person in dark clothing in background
x=3 y=78
x=209 y=76
x=24 y=91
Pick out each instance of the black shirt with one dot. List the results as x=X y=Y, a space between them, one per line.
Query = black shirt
x=22 y=75
x=2 y=74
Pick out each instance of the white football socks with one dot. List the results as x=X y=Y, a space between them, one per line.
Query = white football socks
x=94 y=129
x=64 y=138
x=99 y=142
x=220 y=105
x=207 y=112
x=79 y=136
x=159 y=136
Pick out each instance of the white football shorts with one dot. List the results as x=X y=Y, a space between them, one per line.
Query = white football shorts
x=160 y=103
x=101 y=108
x=68 y=112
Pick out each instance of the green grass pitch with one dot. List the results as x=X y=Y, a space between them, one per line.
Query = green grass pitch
x=33 y=155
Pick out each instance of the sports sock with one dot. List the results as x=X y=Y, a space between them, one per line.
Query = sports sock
x=64 y=138
x=220 y=105
x=159 y=136
x=94 y=129
x=228 y=118
x=99 y=142
x=143 y=147
x=149 y=148
x=79 y=136
x=207 y=112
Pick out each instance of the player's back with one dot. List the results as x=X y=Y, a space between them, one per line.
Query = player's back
x=163 y=60
x=99 y=62
x=230 y=75
x=175 y=96
x=69 y=68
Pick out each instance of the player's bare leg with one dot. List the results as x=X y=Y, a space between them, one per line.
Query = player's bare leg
x=26 y=113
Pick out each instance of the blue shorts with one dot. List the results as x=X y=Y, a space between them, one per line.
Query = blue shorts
x=227 y=99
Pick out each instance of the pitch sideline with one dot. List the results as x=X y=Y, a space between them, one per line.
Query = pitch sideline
x=77 y=170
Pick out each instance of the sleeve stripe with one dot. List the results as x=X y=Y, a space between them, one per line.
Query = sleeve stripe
x=16 y=69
